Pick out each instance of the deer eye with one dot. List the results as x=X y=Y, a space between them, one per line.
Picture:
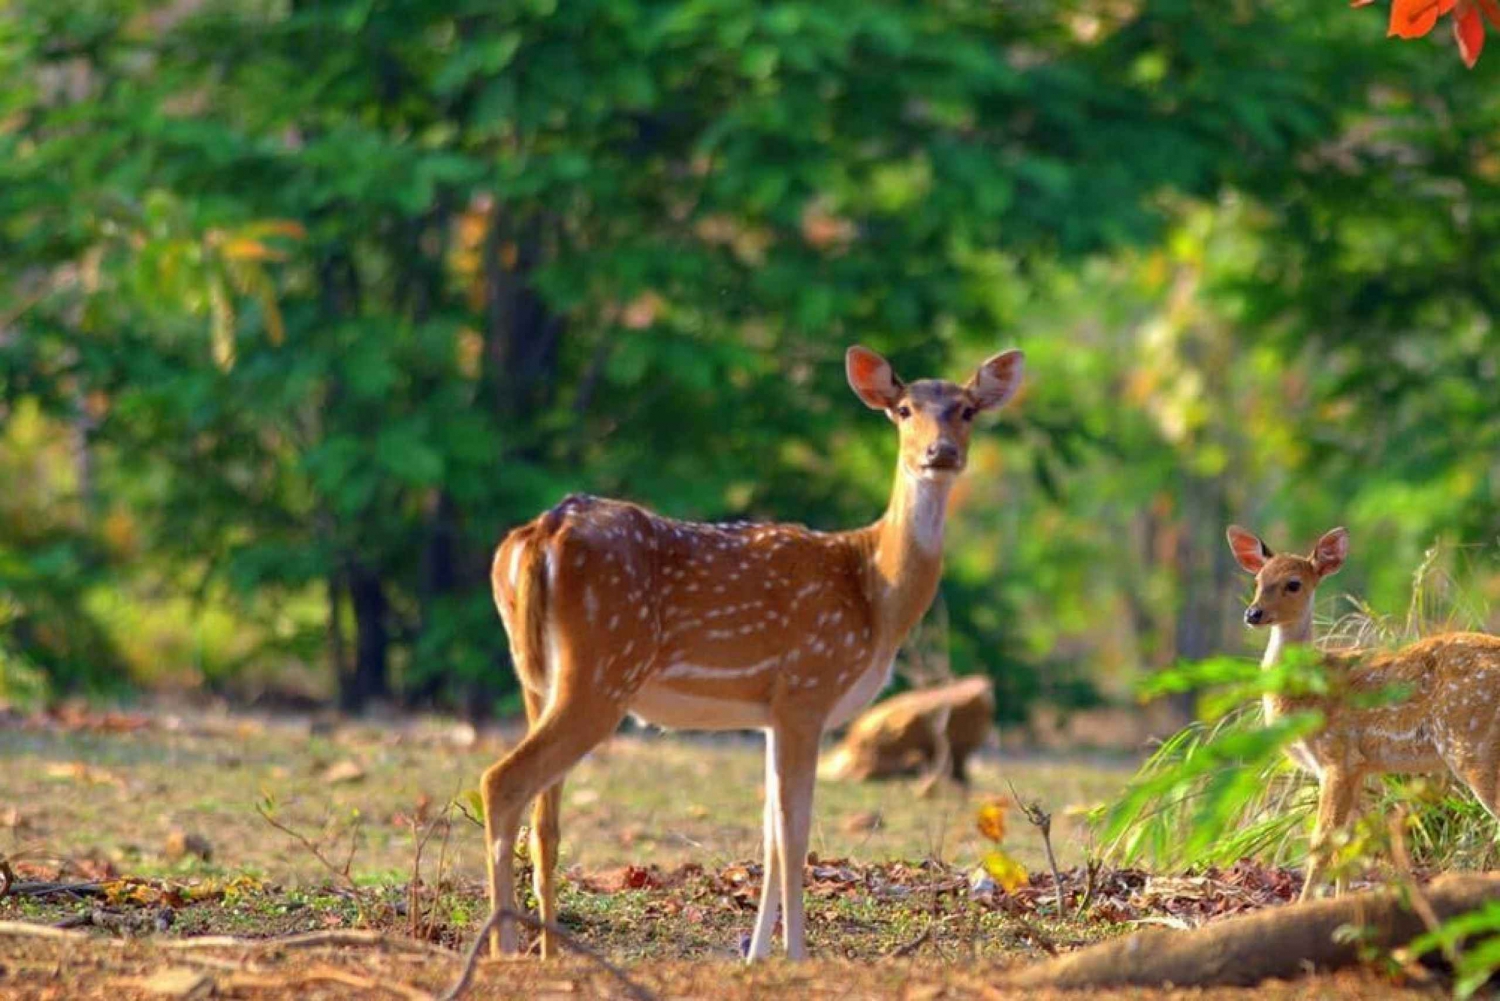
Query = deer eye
x=968 y=413
x=903 y=411
x=1293 y=586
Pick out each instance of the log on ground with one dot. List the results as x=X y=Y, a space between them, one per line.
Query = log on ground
x=1281 y=942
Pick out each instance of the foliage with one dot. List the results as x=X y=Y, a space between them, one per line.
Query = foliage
x=314 y=300
x=1473 y=940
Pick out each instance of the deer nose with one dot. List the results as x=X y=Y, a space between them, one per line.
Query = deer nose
x=1254 y=614
x=942 y=453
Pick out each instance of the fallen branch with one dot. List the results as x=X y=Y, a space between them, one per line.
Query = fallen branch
x=306 y=940
x=40 y=889
x=24 y=928
x=471 y=959
x=1281 y=942
x=907 y=948
x=1091 y=867
x=1042 y=821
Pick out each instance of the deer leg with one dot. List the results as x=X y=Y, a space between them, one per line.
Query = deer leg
x=770 y=887
x=566 y=731
x=546 y=830
x=796 y=767
x=1337 y=790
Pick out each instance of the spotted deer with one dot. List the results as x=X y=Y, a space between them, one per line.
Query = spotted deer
x=1448 y=718
x=612 y=609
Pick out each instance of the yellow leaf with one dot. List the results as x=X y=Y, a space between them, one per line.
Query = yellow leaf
x=991 y=820
x=1010 y=874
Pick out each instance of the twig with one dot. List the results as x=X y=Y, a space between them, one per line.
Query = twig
x=471 y=959
x=421 y=836
x=907 y=948
x=39 y=931
x=1419 y=902
x=1091 y=867
x=40 y=889
x=317 y=853
x=305 y=940
x=468 y=814
x=326 y=971
x=437 y=886
x=1042 y=821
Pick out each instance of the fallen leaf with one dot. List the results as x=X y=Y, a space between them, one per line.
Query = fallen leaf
x=1009 y=873
x=991 y=820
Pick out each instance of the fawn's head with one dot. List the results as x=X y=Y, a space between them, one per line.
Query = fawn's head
x=933 y=416
x=1284 y=585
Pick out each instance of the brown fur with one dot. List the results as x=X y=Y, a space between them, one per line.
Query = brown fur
x=915 y=731
x=1450 y=720
x=614 y=609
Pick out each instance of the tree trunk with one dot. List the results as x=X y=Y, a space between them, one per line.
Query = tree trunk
x=368 y=680
x=522 y=336
x=443 y=573
x=337 y=650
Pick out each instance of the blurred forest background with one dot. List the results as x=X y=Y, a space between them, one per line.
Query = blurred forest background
x=304 y=303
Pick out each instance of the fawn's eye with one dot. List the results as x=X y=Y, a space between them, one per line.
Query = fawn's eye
x=903 y=411
x=1293 y=586
x=969 y=413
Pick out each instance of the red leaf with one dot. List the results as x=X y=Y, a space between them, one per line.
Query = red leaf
x=1415 y=18
x=1468 y=28
x=1491 y=10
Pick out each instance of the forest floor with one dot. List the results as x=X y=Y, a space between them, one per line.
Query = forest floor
x=195 y=849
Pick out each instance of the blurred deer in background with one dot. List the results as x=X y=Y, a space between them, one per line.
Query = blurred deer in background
x=612 y=609
x=1450 y=720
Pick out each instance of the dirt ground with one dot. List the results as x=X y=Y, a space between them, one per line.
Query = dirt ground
x=192 y=846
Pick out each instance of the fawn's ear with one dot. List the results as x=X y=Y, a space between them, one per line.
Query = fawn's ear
x=871 y=378
x=1249 y=552
x=1328 y=555
x=997 y=379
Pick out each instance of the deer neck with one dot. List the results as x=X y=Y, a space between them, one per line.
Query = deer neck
x=907 y=556
x=1298 y=633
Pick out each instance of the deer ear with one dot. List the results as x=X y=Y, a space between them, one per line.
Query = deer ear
x=997 y=379
x=871 y=378
x=1328 y=555
x=1249 y=551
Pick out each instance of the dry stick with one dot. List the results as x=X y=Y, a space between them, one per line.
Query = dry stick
x=421 y=836
x=317 y=853
x=1091 y=867
x=305 y=940
x=906 y=949
x=1419 y=902
x=437 y=886
x=1042 y=820
x=39 y=931
x=471 y=959
x=42 y=889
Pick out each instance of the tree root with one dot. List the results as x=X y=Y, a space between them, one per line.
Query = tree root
x=1281 y=942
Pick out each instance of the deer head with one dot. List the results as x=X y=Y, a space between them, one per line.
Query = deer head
x=934 y=417
x=1284 y=585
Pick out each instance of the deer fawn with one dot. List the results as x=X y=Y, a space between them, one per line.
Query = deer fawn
x=1450 y=720
x=612 y=609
